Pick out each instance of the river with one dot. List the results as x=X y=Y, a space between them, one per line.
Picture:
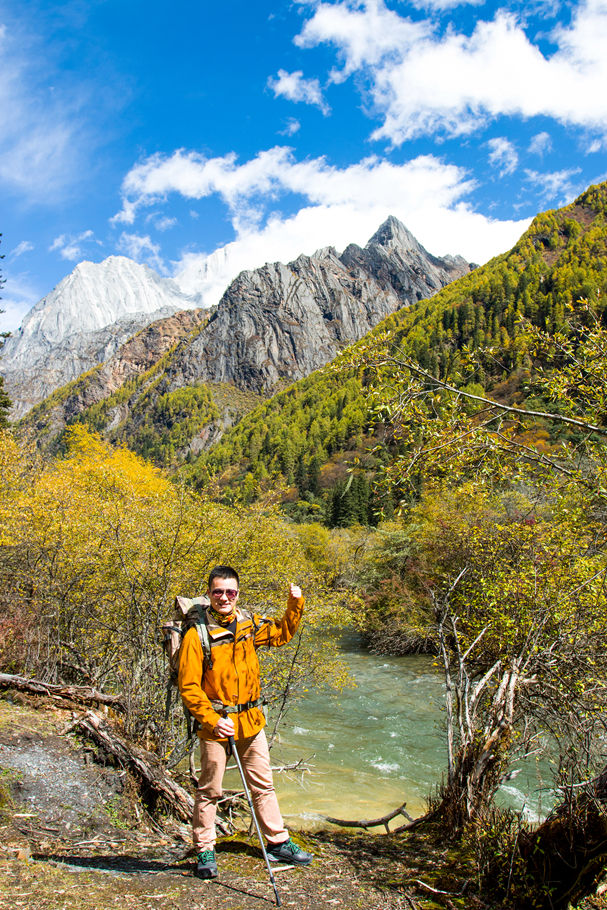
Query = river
x=376 y=745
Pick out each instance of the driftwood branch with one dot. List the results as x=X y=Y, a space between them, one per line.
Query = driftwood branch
x=429 y=888
x=372 y=823
x=85 y=695
x=300 y=765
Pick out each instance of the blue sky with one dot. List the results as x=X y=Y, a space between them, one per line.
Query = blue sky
x=202 y=138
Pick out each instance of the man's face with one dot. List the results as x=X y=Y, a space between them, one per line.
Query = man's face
x=223 y=594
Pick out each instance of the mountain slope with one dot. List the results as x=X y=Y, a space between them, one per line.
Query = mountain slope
x=135 y=362
x=304 y=433
x=273 y=325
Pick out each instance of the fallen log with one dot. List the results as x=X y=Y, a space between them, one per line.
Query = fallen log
x=144 y=765
x=85 y=695
x=375 y=822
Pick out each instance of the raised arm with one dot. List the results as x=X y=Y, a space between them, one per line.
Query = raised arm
x=276 y=632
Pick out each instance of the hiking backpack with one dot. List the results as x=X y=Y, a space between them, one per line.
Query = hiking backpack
x=192 y=612
x=188 y=612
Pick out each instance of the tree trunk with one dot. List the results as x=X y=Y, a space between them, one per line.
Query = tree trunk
x=83 y=695
x=479 y=726
x=476 y=775
x=142 y=764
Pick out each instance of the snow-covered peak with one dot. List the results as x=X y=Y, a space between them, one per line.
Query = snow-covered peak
x=82 y=322
x=93 y=296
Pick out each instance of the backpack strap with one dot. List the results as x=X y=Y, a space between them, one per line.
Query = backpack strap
x=205 y=639
x=263 y=621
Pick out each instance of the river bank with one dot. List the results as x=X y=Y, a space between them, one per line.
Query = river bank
x=377 y=744
x=76 y=835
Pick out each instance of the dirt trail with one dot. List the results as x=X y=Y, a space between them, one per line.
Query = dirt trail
x=75 y=834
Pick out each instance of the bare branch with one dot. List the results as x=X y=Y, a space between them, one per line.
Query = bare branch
x=373 y=823
x=509 y=409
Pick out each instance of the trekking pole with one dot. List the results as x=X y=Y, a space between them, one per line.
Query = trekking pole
x=232 y=748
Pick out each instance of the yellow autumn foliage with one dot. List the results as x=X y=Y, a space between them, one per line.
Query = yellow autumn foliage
x=100 y=542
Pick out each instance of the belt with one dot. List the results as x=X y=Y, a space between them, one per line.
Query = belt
x=236 y=709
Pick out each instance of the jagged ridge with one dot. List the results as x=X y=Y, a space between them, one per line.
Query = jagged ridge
x=275 y=325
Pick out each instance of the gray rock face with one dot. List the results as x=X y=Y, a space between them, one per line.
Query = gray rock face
x=397 y=261
x=277 y=324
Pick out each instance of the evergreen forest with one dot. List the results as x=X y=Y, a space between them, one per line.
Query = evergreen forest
x=308 y=435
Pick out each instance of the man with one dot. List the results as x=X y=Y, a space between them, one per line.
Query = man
x=226 y=701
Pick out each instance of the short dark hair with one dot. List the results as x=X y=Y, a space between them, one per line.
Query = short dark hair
x=223 y=572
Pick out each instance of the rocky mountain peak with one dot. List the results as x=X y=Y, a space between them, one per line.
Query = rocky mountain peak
x=278 y=323
x=392 y=234
x=273 y=325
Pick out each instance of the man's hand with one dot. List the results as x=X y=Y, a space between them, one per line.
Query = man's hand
x=294 y=591
x=224 y=727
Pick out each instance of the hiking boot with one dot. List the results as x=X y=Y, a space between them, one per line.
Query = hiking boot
x=288 y=852
x=207 y=864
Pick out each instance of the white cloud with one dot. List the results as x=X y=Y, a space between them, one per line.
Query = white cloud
x=595 y=146
x=142 y=249
x=444 y=4
x=502 y=155
x=544 y=8
x=24 y=247
x=339 y=206
x=557 y=185
x=541 y=144
x=249 y=189
x=69 y=246
x=424 y=82
x=292 y=126
x=161 y=222
x=294 y=87
x=126 y=215
x=366 y=34
x=41 y=125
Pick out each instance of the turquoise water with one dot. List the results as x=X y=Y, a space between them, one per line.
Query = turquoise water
x=375 y=746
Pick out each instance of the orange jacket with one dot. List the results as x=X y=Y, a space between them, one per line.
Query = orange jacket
x=234 y=677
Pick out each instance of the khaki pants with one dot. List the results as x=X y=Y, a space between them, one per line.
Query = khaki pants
x=255 y=759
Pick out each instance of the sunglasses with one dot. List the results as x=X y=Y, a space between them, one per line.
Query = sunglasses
x=230 y=593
